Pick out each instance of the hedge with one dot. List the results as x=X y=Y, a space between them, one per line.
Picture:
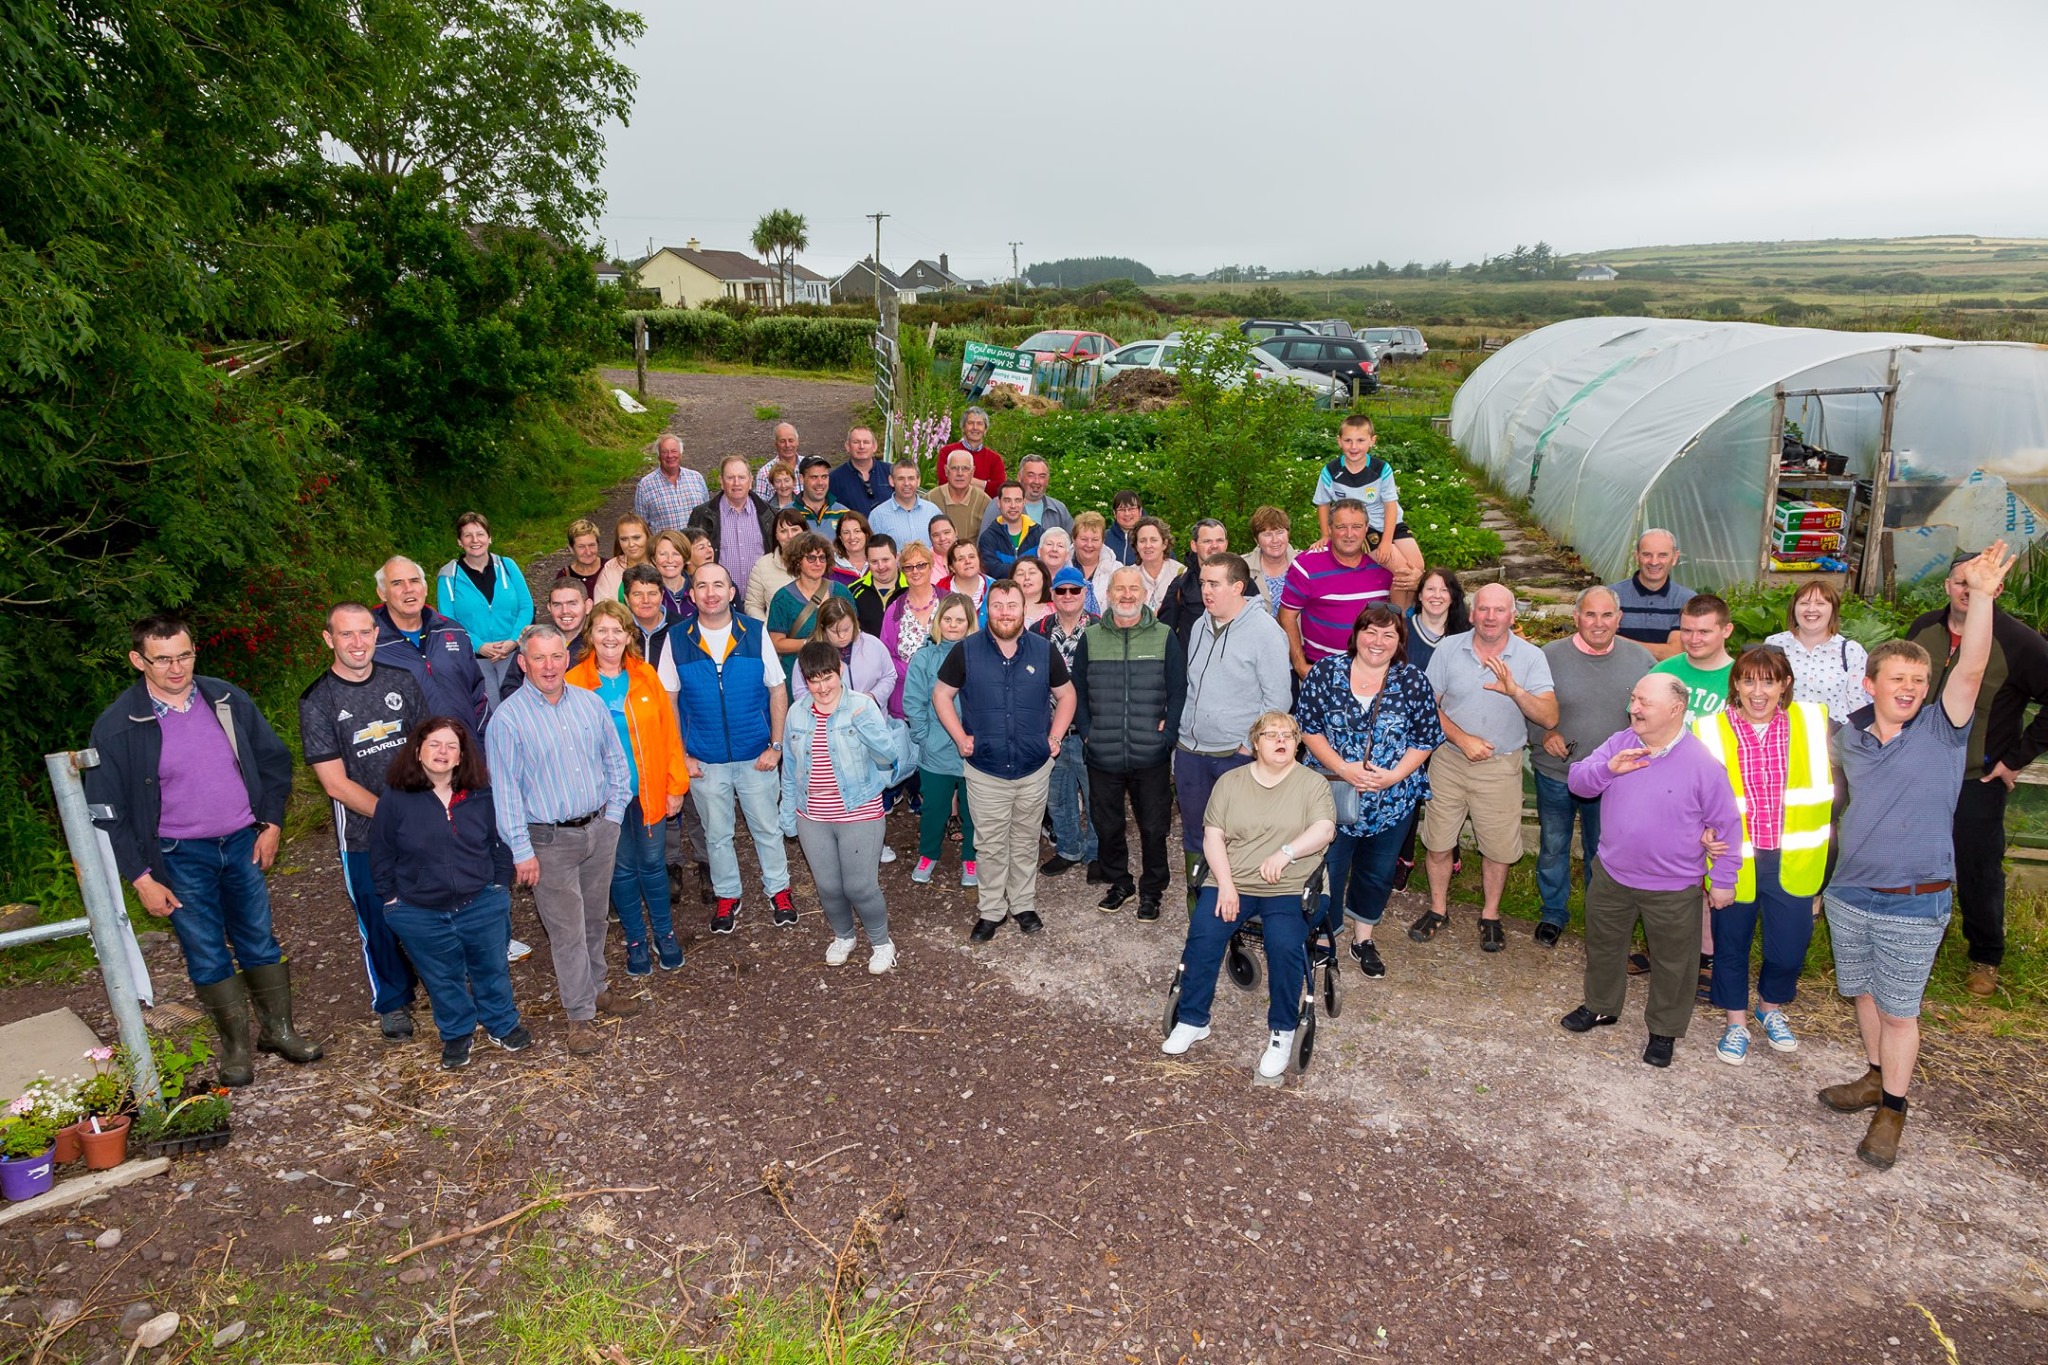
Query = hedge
x=796 y=343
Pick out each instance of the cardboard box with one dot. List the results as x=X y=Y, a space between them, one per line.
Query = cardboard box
x=1806 y=516
x=1805 y=544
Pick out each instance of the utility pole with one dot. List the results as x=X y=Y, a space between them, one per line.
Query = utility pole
x=1016 y=283
x=878 y=217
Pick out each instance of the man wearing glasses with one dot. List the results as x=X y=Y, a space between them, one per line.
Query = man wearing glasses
x=1074 y=840
x=191 y=788
x=1595 y=670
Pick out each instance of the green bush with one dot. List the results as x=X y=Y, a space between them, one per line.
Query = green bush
x=787 y=341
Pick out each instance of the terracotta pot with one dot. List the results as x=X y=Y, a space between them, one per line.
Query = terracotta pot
x=108 y=1147
x=69 y=1148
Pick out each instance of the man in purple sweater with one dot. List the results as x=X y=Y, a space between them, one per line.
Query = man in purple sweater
x=1658 y=840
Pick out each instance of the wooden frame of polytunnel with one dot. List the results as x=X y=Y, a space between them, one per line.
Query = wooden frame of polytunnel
x=1606 y=427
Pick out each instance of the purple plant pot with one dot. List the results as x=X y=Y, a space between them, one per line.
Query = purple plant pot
x=28 y=1176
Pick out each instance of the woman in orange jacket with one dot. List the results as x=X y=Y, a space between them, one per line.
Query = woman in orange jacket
x=645 y=715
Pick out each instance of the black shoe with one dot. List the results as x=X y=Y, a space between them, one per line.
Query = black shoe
x=675 y=883
x=1321 y=952
x=1547 y=934
x=1056 y=864
x=1703 y=994
x=984 y=930
x=1148 y=907
x=455 y=1054
x=1424 y=929
x=785 y=916
x=1638 y=964
x=1367 y=956
x=1403 y=870
x=396 y=1025
x=1658 y=1053
x=1116 y=896
x=1583 y=1020
x=1028 y=922
x=705 y=894
x=1097 y=876
x=518 y=1040
x=1492 y=938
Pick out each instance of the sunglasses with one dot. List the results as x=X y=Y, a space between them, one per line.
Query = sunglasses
x=1068 y=591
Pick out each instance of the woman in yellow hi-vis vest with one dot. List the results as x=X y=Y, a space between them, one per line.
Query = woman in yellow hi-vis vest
x=1776 y=754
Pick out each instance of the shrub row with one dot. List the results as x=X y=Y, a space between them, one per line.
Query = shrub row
x=797 y=343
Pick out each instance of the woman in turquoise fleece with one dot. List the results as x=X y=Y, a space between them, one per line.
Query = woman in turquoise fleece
x=486 y=595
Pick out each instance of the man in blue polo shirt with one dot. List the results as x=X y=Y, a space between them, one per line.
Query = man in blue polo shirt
x=1888 y=901
x=907 y=515
x=1650 y=601
x=863 y=480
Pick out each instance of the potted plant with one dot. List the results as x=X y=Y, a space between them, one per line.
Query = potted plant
x=197 y=1123
x=105 y=1140
x=58 y=1101
x=108 y=1090
x=28 y=1141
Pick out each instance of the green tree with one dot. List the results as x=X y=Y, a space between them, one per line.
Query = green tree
x=504 y=102
x=779 y=236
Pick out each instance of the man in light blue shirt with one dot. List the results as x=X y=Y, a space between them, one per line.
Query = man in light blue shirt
x=908 y=515
x=560 y=784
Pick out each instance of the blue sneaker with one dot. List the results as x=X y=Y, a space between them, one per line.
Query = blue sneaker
x=668 y=950
x=637 y=961
x=1778 y=1031
x=1734 y=1045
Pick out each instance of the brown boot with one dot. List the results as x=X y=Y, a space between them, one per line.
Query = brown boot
x=584 y=1038
x=1865 y=1092
x=1880 y=1146
x=622 y=1006
x=1982 y=980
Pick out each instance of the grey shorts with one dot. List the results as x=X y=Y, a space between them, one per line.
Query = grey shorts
x=1886 y=957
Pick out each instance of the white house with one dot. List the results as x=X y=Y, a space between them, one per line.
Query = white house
x=1597 y=272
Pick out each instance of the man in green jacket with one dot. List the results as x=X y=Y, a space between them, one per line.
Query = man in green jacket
x=1130 y=679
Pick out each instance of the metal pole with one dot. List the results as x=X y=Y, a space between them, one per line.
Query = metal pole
x=878 y=217
x=106 y=914
x=640 y=351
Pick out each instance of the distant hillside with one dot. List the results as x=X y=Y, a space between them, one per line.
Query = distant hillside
x=1948 y=266
x=1078 y=272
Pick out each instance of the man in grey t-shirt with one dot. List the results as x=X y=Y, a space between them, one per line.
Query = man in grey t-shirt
x=1594 y=672
x=1490 y=684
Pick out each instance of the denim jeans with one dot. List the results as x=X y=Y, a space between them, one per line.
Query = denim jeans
x=1285 y=930
x=1787 y=922
x=1360 y=873
x=1555 y=809
x=391 y=975
x=640 y=873
x=759 y=796
x=460 y=957
x=1072 y=832
x=223 y=919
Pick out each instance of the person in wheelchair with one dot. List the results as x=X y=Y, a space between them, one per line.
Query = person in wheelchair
x=1264 y=831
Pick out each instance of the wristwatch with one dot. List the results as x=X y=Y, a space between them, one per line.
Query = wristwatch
x=775 y=744
x=1288 y=851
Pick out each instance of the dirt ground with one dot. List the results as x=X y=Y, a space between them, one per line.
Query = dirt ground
x=1454 y=1179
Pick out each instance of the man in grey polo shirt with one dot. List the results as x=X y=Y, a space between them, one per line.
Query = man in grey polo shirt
x=1593 y=671
x=1490 y=684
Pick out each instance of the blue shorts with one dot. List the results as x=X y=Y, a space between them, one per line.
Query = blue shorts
x=1887 y=957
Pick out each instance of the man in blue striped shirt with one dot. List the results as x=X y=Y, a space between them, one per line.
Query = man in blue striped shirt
x=1651 y=602
x=560 y=783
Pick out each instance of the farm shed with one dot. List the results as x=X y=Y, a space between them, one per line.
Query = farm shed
x=1608 y=426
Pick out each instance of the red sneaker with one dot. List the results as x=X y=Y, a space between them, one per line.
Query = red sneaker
x=722 y=917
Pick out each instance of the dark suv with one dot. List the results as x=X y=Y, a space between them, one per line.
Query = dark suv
x=1345 y=358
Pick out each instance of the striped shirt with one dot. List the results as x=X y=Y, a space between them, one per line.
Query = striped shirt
x=825 y=805
x=1649 y=617
x=553 y=761
x=1329 y=597
x=667 y=506
x=1766 y=755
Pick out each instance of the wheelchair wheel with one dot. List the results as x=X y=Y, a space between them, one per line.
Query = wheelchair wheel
x=1172 y=1002
x=1242 y=966
x=1305 y=1035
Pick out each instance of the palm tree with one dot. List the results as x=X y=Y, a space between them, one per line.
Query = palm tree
x=781 y=234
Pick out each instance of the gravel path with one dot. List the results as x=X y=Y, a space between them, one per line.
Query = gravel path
x=993 y=1135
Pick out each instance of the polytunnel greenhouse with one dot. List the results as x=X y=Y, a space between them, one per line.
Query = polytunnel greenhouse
x=1899 y=448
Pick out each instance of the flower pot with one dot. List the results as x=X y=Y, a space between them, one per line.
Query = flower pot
x=108 y=1147
x=180 y=1146
x=69 y=1148
x=25 y=1177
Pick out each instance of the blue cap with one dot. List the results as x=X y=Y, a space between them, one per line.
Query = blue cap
x=1069 y=577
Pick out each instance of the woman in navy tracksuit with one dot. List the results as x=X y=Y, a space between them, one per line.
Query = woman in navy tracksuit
x=445 y=878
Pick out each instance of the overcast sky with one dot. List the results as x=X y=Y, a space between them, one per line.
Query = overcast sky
x=1315 y=136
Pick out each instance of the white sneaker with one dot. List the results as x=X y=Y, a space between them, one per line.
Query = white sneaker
x=888 y=854
x=515 y=951
x=883 y=959
x=1279 y=1051
x=1183 y=1037
x=838 y=950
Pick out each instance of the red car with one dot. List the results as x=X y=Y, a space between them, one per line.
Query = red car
x=1079 y=346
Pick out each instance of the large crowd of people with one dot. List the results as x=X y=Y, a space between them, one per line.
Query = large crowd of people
x=807 y=645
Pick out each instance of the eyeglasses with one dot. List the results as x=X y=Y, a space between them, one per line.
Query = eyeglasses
x=170 y=660
x=815 y=554
x=1068 y=591
x=913 y=565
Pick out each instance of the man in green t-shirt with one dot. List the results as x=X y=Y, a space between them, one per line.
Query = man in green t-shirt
x=1703 y=630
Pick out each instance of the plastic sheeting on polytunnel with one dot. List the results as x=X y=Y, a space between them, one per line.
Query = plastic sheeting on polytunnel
x=1609 y=426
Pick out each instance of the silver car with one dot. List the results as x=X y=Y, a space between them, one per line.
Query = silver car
x=1164 y=354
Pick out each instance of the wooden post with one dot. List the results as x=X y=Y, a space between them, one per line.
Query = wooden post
x=640 y=352
x=1774 y=455
x=1874 y=568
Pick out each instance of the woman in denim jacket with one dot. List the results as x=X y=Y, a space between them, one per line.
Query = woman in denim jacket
x=832 y=800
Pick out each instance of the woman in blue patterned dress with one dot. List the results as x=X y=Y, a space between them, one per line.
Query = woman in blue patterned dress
x=1369 y=719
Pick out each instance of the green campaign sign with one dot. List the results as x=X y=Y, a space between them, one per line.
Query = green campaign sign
x=1004 y=365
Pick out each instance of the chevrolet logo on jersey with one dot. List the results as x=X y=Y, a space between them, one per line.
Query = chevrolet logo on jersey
x=376 y=730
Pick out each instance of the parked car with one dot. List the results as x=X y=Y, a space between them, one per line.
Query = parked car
x=1061 y=345
x=1330 y=327
x=1164 y=354
x=1397 y=343
x=1345 y=359
x=1262 y=329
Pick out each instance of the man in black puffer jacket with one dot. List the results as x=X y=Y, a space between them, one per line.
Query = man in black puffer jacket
x=1130 y=678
